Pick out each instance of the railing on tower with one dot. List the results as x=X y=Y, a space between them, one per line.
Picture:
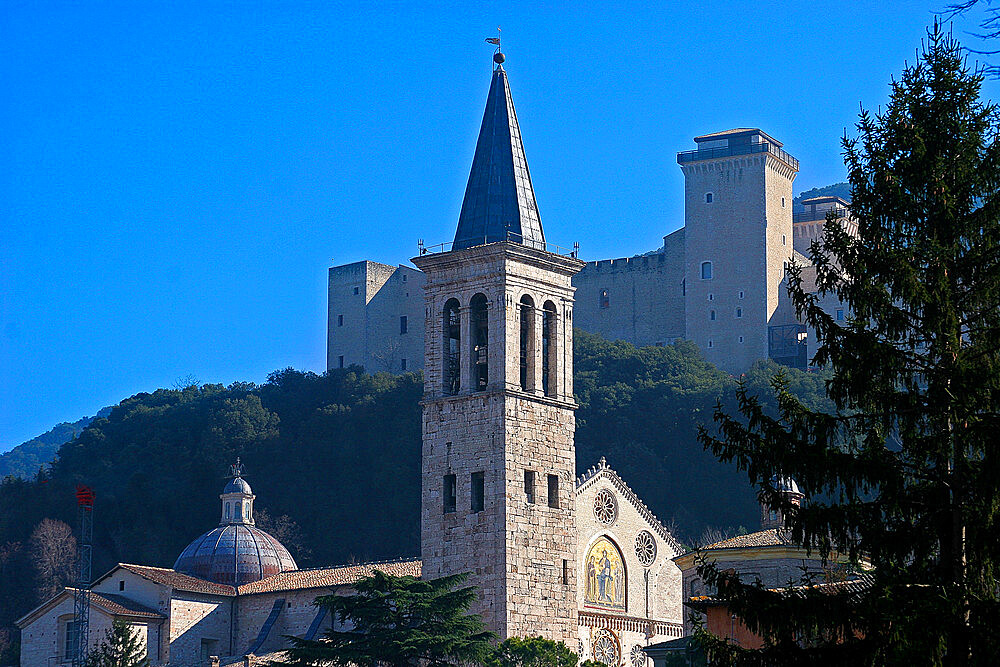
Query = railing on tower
x=739 y=149
x=574 y=252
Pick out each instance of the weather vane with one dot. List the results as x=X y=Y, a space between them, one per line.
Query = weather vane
x=236 y=470
x=498 y=57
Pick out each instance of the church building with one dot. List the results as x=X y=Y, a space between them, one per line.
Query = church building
x=576 y=559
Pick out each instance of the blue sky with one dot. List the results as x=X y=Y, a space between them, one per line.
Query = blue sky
x=176 y=177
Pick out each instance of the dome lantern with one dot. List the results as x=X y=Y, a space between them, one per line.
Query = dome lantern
x=237 y=498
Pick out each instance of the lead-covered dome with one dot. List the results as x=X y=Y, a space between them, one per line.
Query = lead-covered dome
x=236 y=552
x=234 y=555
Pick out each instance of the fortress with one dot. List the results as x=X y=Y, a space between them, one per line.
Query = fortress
x=718 y=281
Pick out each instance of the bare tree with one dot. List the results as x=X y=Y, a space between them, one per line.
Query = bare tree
x=52 y=552
x=387 y=355
x=285 y=530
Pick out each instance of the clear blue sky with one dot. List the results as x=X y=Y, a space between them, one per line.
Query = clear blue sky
x=176 y=179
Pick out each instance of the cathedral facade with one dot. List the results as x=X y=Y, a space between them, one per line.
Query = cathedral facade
x=576 y=559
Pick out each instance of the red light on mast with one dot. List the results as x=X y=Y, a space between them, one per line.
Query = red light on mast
x=84 y=496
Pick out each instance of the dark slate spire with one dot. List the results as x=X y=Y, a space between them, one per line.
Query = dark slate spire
x=499 y=201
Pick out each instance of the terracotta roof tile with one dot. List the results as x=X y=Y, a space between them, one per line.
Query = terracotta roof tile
x=182 y=582
x=772 y=537
x=326 y=577
x=119 y=605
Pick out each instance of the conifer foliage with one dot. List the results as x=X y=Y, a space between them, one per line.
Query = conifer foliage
x=905 y=474
x=398 y=622
x=121 y=647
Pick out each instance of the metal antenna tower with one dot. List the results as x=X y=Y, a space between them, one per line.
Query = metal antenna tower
x=81 y=596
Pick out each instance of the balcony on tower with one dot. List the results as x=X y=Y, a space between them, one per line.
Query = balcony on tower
x=740 y=141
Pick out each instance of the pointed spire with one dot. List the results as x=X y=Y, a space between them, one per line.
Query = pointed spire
x=499 y=201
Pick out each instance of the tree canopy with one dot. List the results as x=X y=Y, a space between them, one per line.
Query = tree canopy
x=399 y=622
x=904 y=473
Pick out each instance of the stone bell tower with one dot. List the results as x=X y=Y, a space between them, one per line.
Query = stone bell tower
x=498 y=459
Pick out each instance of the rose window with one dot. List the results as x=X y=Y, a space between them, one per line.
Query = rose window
x=606 y=648
x=637 y=657
x=645 y=548
x=605 y=506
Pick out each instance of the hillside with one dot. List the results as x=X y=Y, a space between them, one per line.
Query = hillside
x=842 y=190
x=25 y=459
x=335 y=459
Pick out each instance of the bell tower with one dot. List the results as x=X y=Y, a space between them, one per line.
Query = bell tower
x=498 y=460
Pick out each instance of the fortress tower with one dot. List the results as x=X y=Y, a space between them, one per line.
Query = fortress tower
x=738 y=239
x=498 y=461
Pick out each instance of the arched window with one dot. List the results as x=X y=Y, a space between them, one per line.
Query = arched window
x=228 y=508
x=708 y=197
x=549 y=352
x=711 y=315
x=706 y=270
x=480 y=325
x=605 y=301
x=527 y=312
x=739 y=312
x=451 y=364
x=238 y=513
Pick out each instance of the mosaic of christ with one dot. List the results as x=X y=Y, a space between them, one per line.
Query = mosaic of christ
x=605 y=576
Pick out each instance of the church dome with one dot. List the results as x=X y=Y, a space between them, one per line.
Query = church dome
x=234 y=555
x=236 y=552
x=238 y=485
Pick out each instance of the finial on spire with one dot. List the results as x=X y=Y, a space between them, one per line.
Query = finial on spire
x=498 y=56
x=236 y=470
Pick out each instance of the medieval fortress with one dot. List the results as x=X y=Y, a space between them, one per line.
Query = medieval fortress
x=490 y=321
x=718 y=281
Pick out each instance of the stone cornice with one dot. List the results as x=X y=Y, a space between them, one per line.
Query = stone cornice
x=500 y=250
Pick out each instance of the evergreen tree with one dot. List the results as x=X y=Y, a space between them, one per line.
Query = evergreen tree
x=121 y=647
x=905 y=474
x=531 y=652
x=398 y=622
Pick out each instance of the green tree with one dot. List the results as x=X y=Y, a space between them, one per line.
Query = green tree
x=398 y=622
x=121 y=647
x=906 y=473
x=531 y=652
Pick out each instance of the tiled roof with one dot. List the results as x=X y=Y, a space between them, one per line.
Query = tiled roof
x=326 y=577
x=859 y=584
x=773 y=537
x=181 y=582
x=120 y=605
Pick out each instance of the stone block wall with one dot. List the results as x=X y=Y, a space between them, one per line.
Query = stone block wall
x=194 y=618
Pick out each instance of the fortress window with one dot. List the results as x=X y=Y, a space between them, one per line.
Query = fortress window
x=402 y=324
x=710 y=343
x=121 y=585
x=527 y=348
x=782 y=202
x=452 y=344
x=565 y=572
x=604 y=302
x=529 y=485
x=739 y=312
x=711 y=315
x=404 y=275
x=478 y=491
x=708 y=197
x=480 y=325
x=549 y=349
x=554 y=491
x=711 y=297
x=706 y=270
x=448 y=494
x=782 y=239
x=340 y=320
x=402 y=364
x=355 y=290
x=684 y=287
x=741 y=339
x=741 y=294
x=340 y=361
